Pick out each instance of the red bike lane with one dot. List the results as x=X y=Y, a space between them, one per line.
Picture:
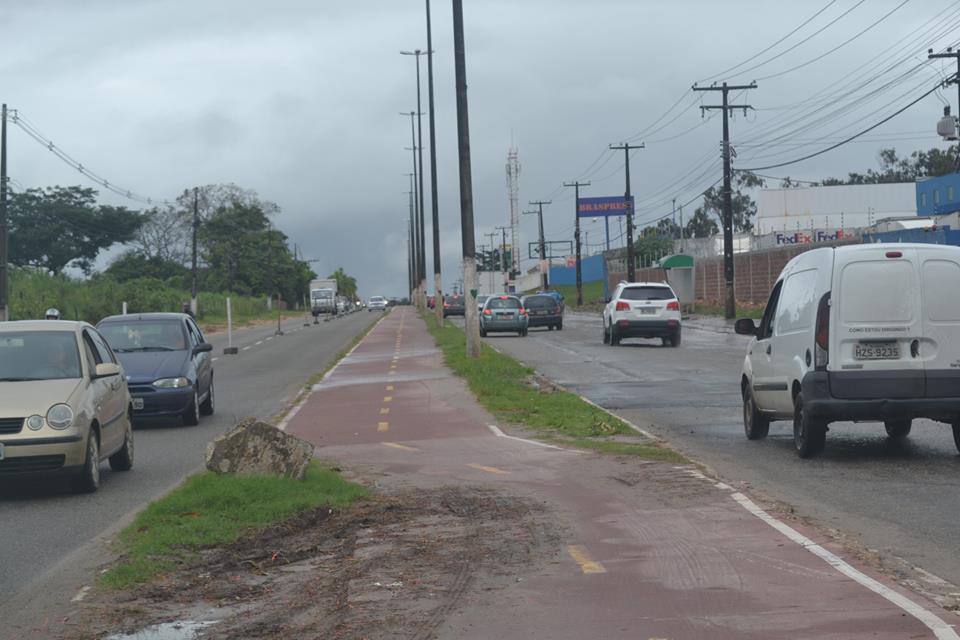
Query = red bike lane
x=647 y=549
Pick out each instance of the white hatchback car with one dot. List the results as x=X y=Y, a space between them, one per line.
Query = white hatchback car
x=856 y=333
x=642 y=310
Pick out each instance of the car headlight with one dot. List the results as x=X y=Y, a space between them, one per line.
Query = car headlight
x=60 y=416
x=171 y=383
x=35 y=423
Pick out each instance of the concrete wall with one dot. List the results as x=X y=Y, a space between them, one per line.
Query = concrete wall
x=838 y=207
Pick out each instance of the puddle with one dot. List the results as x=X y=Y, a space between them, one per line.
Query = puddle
x=180 y=630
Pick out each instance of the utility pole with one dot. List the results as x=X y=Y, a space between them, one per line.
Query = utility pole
x=411 y=262
x=417 y=209
x=503 y=256
x=544 y=268
x=423 y=241
x=437 y=280
x=681 y=229
x=193 y=268
x=4 y=244
x=472 y=320
x=489 y=265
x=631 y=264
x=576 y=233
x=413 y=241
x=730 y=304
x=956 y=80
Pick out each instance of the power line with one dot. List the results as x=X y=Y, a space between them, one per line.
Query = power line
x=18 y=119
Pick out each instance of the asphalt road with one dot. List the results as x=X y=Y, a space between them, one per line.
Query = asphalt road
x=43 y=523
x=902 y=499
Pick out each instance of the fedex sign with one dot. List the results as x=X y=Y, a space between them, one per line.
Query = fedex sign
x=804 y=237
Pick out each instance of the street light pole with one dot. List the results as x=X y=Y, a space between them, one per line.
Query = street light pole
x=576 y=184
x=437 y=280
x=418 y=206
x=422 y=267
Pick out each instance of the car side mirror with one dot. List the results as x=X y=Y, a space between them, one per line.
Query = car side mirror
x=203 y=347
x=607 y=300
x=745 y=327
x=106 y=369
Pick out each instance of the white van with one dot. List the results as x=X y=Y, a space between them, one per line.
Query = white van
x=859 y=332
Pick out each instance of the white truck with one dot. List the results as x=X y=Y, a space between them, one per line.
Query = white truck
x=323 y=296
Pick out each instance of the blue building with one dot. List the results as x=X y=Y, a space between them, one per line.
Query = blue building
x=938 y=196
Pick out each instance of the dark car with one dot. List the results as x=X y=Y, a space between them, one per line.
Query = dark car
x=556 y=296
x=168 y=364
x=543 y=311
x=454 y=306
x=504 y=314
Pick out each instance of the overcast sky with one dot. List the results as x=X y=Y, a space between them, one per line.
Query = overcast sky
x=300 y=100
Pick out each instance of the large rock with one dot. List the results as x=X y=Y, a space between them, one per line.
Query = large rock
x=257 y=448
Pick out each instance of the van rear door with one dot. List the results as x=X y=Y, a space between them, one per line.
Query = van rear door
x=877 y=320
x=940 y=348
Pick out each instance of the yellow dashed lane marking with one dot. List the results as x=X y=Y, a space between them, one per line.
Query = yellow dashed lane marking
x=387 y=398
x=384 y=411
x=582 y=558
x=389 y=387
x=383 y=426
x=487 y=469
x=395 y=445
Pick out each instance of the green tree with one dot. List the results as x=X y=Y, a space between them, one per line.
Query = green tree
x=132 y=265
x=346 y=285
x=743 y=206
x=919 y=164
x=701 y=225
x=56 y=227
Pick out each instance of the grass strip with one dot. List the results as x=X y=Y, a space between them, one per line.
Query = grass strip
x=743 y=310
x=500 y=384
x=210 y=509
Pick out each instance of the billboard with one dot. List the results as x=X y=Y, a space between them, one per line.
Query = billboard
x=602 y=207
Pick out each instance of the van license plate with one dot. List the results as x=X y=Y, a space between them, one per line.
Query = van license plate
x=1 y=451
x=876 y=351
x=138 y=404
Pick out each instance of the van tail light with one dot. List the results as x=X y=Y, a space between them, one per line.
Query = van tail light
x=446 y=305
x=673 y=306
x=487 y=312
x=623 y=306
x=822 y=336
x=557 y=310
x=523 y=312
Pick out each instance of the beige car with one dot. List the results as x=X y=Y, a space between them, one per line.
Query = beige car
x=64 y=403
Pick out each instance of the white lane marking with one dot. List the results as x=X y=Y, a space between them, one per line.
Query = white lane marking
x=214 y=359
x=271 y=337
x=258 y=343
x=247 y=348
x=627 y=422
x=723 y=485
x=500 y=434
x=941 y=630
x=80 y=594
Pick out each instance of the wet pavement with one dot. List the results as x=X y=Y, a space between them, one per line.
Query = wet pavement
x=646 y=549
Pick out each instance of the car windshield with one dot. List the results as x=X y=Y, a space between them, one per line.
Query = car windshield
x=144 y=335
x=540 y=302
x=38 y=355
x=647 y=293
x=376 y=299
x=503 y=303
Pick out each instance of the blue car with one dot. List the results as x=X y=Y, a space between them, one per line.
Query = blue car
x=168 y=364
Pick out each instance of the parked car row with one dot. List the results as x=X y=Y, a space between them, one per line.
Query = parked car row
x=70 y=392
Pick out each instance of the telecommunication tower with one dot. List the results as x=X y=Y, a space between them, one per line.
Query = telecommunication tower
x=513 y=194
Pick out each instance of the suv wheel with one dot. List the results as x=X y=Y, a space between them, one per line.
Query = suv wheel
x=755 y=424
x=809 y=435
x=675 y=338
x=956 y=433
x=614 y=338
x=897 y=429
x=606 y=334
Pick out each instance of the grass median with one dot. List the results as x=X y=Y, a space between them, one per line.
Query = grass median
x=209 y=509
x=503 y=386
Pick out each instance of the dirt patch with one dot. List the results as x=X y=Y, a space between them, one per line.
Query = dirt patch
x=389 y=567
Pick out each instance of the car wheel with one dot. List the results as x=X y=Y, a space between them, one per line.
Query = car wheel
x=191 y=415
x=208 y=406
x=666 y=342
x=559 y=326
x=606 y=335
x=483 y=333
x=675 y=339
x=956 y=433
x=123 y=460
x=809 y=435
x=755 y=424
x=897 y=429
x=614 y=338
x=550 y=327
x=88 y=480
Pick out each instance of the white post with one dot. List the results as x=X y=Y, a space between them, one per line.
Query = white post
x=229 y=348
x=124 y=308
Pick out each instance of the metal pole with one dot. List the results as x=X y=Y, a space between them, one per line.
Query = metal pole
x=437 y=280
x=730 y=308
x=193 y=268
x=423 y=224
x=472 y=328
x=606 y=227
x=4 y=243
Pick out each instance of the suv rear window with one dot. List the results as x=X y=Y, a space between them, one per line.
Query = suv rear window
x=500 y=303
x=540 y=302
x=647 y=293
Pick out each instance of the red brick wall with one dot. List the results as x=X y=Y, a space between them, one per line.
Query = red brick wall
x=755 y=272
